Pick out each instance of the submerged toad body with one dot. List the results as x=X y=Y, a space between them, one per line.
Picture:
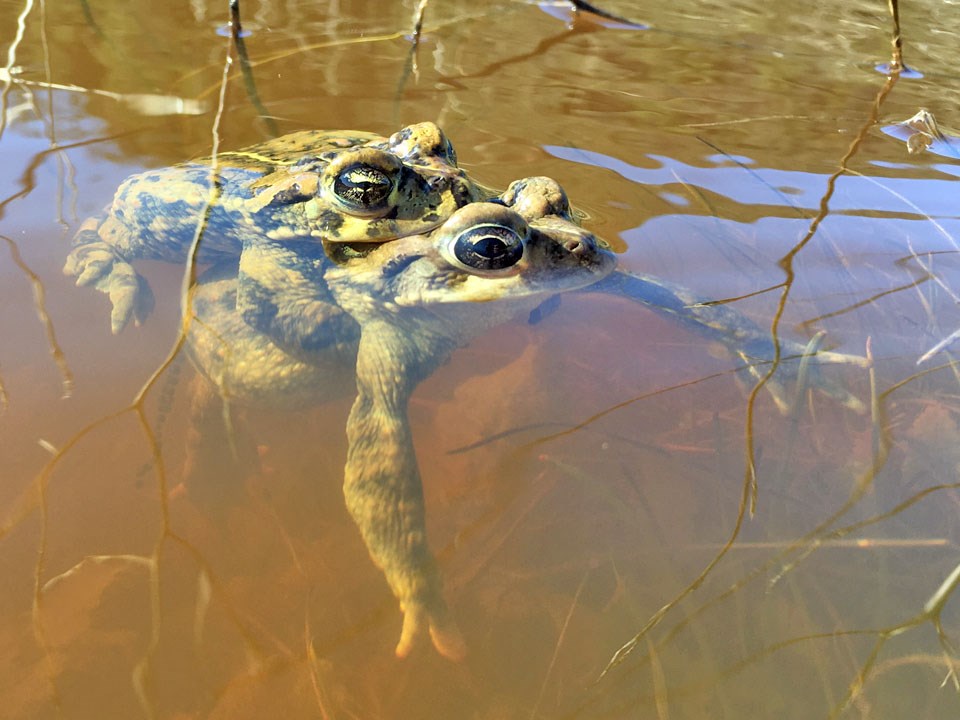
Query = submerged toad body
x=306 y=301
x=403 y=308
x=389 y=319
x=337 y=187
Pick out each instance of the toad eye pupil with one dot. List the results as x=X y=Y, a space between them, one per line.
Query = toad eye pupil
x=363 y=185
x=489 y=247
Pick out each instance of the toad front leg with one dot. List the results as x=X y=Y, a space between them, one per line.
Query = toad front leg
x=281 y=292
x=382 y=485
x=98 y=264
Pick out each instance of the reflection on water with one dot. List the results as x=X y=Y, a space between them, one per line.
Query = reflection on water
x=783 y=188
x=584 y=473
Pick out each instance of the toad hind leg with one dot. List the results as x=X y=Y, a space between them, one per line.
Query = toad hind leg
x=383 y=491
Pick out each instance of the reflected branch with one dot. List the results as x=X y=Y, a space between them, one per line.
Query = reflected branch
x=584 y=6
x=338 y=43
x=35 y=498
x=141 y=672
x=39 y=304
x=750 y=482
x=541 y=48
x=91 y=20
x=627 y=648
x=148 y=104
x=786 y=264
x=808 y=542
x=787 y=201
x=418 y=23
x=930 y=274
x=11 y=61
x=236 y=33
x=27 y=184
x=410 y=66
x=66 y=172
x=64 y=166
x=870 y=300
x=870 y=667
x=582 y=425
x=896 y=42
x=931 y=613
x=27 y=178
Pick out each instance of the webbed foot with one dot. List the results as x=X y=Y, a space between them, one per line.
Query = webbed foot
x=446 y=637
x=800 y=369
x=95 y=263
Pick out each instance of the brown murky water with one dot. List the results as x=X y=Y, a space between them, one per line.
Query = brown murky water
x=584 y=474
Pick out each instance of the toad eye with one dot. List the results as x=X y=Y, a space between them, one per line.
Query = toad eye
x=363 y=187
x=488 y=247
x=362 y=182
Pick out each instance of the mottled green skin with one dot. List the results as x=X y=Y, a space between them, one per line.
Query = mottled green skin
x=381 y=322
x=278 y=191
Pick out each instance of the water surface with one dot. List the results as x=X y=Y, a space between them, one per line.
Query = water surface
x=581 y=473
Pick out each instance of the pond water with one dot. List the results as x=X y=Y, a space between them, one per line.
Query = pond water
x=625 y=525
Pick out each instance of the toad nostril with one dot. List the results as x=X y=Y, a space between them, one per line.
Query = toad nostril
x=574 y=246
x=462 y=193
x=437 y=182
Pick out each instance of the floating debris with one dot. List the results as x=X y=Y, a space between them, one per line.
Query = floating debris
x=922 y=132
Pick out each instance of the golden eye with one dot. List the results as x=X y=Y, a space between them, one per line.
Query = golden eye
x=363 y=186
x=363 y=181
